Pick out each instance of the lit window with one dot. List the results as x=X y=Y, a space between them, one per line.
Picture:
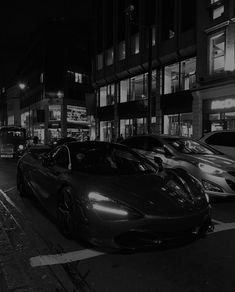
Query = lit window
x=109 y=57
x=171 y=78
x=103 y=96
x=135 y=44
x=99 y=61
x=188 y=73
x=78 y=77
x=217 y=52
x=217 y=12
x=41 y=78
x=122 y=50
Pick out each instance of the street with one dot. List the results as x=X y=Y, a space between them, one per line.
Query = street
x=36 y=257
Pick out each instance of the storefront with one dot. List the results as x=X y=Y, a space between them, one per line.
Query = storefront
x=177 y=114
x=219 y=114
x=77 y=122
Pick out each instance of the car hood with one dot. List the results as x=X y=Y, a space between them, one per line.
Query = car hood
x=146 y=193
x=220 y=161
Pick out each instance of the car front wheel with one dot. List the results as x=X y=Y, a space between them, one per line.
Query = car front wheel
x=66 y=213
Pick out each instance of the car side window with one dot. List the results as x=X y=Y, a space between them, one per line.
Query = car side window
x=221 y=139
x=61 y=157
x=135 y=142
x=153 y=143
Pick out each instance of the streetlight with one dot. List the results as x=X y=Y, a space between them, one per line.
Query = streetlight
x=129 y=13
x=22 y=87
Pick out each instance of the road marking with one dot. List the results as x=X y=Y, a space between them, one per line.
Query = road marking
x=48 y=260
x=10 y=189
x=8 y=199
x=223 y=227
x=217 y=221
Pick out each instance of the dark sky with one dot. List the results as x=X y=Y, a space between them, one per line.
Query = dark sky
x=19 y=19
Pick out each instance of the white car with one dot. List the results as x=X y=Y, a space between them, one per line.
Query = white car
x=223 y=141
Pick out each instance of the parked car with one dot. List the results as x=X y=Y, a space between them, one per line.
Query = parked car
x=211 y=167
x=111 y=196
x=223 y=141
x=61 y=141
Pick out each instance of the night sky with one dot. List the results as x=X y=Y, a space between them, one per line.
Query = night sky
x=19 y=19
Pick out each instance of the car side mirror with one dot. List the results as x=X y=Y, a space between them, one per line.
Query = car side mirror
x=158 y=161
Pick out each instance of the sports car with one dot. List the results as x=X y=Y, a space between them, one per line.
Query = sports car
x=110 y=196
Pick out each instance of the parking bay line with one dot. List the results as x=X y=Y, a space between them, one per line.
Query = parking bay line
x=8 y=199
x=63 y=258
x=83 y=254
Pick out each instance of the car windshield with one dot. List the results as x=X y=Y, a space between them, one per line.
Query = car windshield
x=110 y=161
x=189 y=146
x=11 y=136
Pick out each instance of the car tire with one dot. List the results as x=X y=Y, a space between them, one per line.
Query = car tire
x=21 y=187
x=66 y=213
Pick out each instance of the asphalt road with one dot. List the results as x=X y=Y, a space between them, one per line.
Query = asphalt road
x=36 y=257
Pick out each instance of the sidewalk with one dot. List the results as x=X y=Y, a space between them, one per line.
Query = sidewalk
x=16 y=249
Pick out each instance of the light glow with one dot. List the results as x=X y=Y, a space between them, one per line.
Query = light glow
x=21 y=147
x=97 y=197
x=223 y=104
x=210 y=169
x=105 y=209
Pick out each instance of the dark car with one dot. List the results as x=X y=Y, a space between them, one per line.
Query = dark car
x=61 y=141
x=111 y=196
x=215 y=170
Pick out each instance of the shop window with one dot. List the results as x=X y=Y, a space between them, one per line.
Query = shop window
x=171 y=78
x=110 y=94
x=11 y=120
x=178 y=124
x=126 y=128
x=135 y=44
x=99 y=61
x=109 y=57
x=217 y=52
x=124 y=90
x=122 y=50
x=106 y=130
x=188 y=73
x=54 y=112
x=103 y=96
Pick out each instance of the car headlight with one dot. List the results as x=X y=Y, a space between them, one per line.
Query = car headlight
x=21 y=147
x=210 y=169
x=110 y=209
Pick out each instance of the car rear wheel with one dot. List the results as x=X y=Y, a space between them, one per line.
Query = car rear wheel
x=21 y=187
x=66 y=213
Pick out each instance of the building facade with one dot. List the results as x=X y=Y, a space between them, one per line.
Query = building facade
x=52 y=89
x=163 y=66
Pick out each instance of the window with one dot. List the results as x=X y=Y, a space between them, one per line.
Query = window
x=153 y=143
x=217 y=12
x=103 y=96
x=188 y=73
x=106 y=130
x=99 y=61
x=135 y=46
x=62 y=158
x=171 y=78
x=54 y=112
x=124 y=90
x=122 y=50
x=222 y=139
x=217 y=52
x=136 y=142
x=107 y=95
x=109 y=57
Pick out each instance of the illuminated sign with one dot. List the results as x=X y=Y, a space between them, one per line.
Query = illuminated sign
x=223 y=104
x=76 y=114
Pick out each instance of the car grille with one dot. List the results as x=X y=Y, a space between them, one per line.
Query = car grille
x=231 y=173
x=231 y=184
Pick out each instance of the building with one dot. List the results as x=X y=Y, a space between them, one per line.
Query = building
x=163 y=66
x=52 y=89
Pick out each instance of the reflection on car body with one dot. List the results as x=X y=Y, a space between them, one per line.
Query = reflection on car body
x=211 y=167
x=111 y=196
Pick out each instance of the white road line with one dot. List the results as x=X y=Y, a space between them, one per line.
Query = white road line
x=217 y=221
x=10 y=201
x=10 y=189
x=47 y=260
x=223 y=227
